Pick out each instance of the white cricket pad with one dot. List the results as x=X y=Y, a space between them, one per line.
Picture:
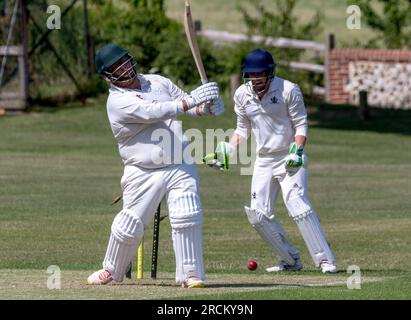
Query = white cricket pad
x=126 y=233
x=185 y=210
x=186 y=221
x=300 y=209
x=273 y=234
x=188 y=249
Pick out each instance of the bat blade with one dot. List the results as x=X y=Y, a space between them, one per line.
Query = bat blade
x=116 y=199
x=192 y=41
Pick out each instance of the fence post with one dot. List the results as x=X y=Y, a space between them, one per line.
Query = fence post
x=329 y=45
x=363 y=109
x=234 y=83
x=89 y=57
x=23 y=59
x=197 y=25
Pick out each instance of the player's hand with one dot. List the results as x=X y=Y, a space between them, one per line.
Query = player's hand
x=220 y=158
x=211 y=109
x=205 y=93
x=217 y=107
x=295 y=158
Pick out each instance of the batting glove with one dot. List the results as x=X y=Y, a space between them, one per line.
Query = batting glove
x=217 y=107
x=214 y=109
x=295 y=158
x=204 y=93
x=220 y=158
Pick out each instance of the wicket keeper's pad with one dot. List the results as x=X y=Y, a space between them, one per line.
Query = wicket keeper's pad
x=126 y=234
x=269 y=178
x=273 y=234
x=295 y=197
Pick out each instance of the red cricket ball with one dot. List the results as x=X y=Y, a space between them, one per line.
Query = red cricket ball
x=251 y=265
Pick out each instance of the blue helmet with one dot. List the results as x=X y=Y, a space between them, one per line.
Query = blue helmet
x=259 y=60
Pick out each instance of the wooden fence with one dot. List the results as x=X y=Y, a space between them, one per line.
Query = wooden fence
x=15 y=100
x=320 y=48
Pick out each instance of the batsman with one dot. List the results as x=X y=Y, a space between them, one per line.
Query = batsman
x=142 y=110
x=273 y=108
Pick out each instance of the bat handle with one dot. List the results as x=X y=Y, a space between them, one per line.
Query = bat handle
x=204 y=80
x=208 y=107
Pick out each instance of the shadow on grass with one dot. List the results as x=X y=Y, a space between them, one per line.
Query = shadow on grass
x=256 y=285
x=217 y=285
x=55 y=107
x=320 y=115
x=346 y=117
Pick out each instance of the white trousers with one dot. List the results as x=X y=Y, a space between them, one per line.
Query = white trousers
x=269 y=178
x=143 y=190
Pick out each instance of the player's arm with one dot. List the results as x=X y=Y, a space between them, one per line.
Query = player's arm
x=300 y=140
x=243 y=129
x=143 y=111
x=236 y=140
x=216 y=106
x=297 y=111
x=224 y=151
x=298 y=115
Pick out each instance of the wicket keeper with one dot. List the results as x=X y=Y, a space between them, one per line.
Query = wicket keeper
x=273 y=108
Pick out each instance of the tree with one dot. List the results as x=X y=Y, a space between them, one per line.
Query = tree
x=280 y=21
x=151 y=4
x=157 y=42
x=393 y=25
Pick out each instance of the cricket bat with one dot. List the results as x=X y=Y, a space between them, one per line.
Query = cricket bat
x=192 y=41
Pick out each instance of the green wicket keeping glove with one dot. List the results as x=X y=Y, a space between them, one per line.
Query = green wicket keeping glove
x=295 y=158
x=220 y=158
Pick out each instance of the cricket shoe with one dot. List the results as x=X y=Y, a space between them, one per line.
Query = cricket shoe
x=193 y=282
x=284 y=266
x=100 y=277
x=328 y=267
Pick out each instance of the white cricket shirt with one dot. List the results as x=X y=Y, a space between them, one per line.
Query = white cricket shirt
x=275 y=120
x=144 y=122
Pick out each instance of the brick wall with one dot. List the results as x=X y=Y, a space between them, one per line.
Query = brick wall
x=340 y=59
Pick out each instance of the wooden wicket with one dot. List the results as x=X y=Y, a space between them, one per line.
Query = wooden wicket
x=140 y=260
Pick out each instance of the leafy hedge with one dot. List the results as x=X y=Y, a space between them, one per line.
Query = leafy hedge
x=157 y=42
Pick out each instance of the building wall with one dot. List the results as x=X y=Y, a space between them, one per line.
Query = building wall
x=384 y=74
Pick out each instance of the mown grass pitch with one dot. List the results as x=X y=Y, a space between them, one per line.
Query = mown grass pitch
x=60 y=170
x=31 y=284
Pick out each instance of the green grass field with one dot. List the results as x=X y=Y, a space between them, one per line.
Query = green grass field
x=60 y=170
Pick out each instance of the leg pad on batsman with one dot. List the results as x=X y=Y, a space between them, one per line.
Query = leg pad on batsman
x=126 y=233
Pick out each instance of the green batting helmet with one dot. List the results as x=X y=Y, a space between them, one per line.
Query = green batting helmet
x=107 y=56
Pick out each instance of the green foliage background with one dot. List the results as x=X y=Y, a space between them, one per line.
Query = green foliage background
x=392 y=22
x=159 y=44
